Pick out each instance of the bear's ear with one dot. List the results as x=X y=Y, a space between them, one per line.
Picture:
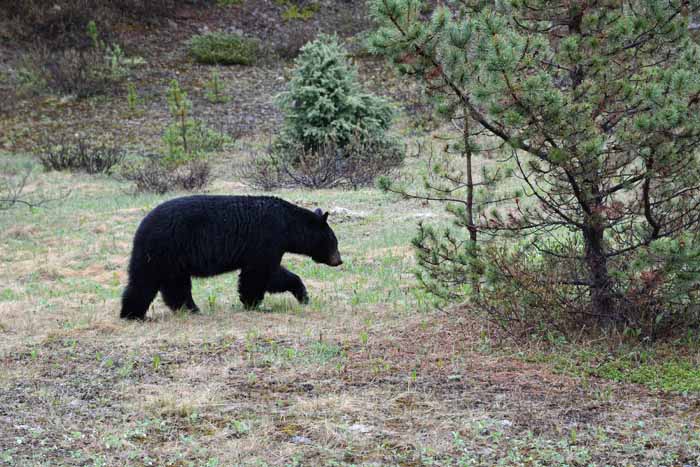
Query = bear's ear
x=325 y=217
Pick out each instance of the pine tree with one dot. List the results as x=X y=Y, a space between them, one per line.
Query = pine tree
x=187 y=138
x=325 y=101
x=596 y=105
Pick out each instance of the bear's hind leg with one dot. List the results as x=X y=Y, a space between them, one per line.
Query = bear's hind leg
x=283 y=280
x=136 y=299
x=252 y=284
x=177 y=293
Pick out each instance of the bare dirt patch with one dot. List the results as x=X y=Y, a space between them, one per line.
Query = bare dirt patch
x=378 y=402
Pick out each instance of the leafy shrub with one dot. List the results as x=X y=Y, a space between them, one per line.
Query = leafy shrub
x=78 y=154
x=222 y=48
x=352 y=165
x=155 y=176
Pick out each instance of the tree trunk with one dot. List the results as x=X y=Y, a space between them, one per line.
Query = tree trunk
x=476 y=286
x=470 y=180
x=602 y=301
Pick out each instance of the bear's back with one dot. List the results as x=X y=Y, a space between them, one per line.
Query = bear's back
x=204 y=235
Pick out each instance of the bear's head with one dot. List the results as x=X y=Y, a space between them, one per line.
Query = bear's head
x=326 y=245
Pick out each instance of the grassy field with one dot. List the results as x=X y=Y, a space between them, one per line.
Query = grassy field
x=366 y=374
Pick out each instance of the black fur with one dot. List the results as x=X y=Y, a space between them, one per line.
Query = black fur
x=202 y=236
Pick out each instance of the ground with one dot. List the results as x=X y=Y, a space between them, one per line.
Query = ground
x=368 y=374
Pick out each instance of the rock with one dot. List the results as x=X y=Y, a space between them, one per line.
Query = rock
x=360 y=428
x=343 y=214
x=300 y=440
x=420 y=215
x=235 y=30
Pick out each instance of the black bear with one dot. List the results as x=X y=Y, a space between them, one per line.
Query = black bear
x=202 y=236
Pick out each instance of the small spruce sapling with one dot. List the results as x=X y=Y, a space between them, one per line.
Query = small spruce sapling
x=186 y=138
x=132 y=98
x=215 y=89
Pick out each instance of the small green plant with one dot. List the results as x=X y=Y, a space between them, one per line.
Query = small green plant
x=215 y=89
x=323 y=352
x=156 y=362
x=125 y=370
x=211 y=301
x=238 y=428
x=94 y=36
x=228 y=2
x=30 y=78
x=176 y=134
x=364 y=338
x=296 y=13
x=113 y=54
x=224 y=49
x=132 y=98
x=187 y=139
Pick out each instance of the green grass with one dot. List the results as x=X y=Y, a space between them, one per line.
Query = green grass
x=677 y=375
x=93 y=227
x=669 y=368
x=368 y=351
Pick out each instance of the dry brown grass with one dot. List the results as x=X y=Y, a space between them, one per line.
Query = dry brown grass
x=417 y=380
x=365 y=375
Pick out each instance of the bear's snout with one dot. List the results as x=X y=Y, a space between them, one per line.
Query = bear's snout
x=335 y=259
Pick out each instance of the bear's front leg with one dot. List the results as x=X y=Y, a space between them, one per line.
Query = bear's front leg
x=252 y=284
x=283 y=280
x=177 y=293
